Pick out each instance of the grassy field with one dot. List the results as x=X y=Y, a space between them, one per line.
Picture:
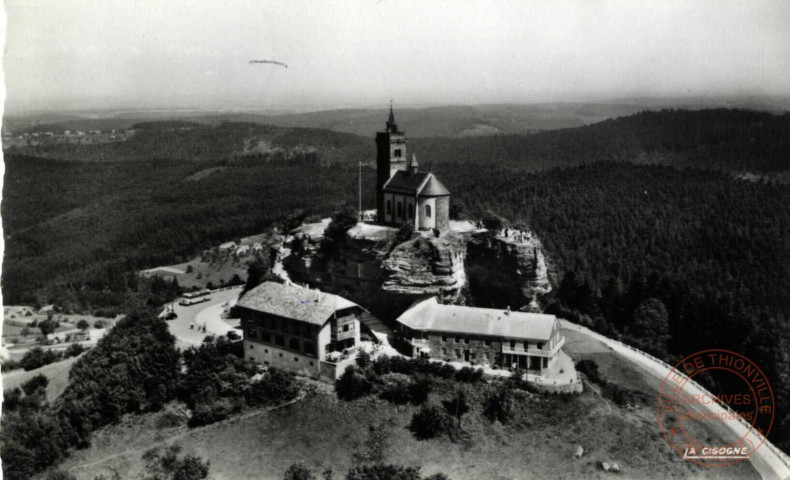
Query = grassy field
x=323 y=432
x=57 y=373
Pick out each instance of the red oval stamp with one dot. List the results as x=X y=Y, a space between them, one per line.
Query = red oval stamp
x=742 y=414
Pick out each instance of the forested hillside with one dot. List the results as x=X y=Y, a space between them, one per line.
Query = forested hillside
x=671 y=259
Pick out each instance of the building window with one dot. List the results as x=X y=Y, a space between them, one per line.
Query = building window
x=281 y=355
x=345 y=327
x=457 y=353
x=473 y=356
x=279 y=340
x=444 y=351
x=265 y=350
x=428 y=211
x=486 y=355
x=309 y=348
x=455 y=340
x=526 y=345
x=293 y=344
x=389 y=207
x=400 y=209
x=444 y=338
x=512 y=344
x=488 y=343
x=397 y=152
x=466 y=340
x=540 y=345
x=251 y=347
x=296 y=359
x=265 y=363
x=266 y=337
x=311 y=364
x=411 y=211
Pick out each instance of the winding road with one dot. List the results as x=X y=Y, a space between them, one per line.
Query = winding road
x=769 y=462
x=208 y=313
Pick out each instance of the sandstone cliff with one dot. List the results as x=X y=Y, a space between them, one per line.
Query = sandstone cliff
x=475 y=268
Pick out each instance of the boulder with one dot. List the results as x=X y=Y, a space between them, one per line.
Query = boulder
x=579 y=452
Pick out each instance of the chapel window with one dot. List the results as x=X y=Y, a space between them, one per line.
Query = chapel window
x=389 y=206
x=428 y=211
x=400 y=209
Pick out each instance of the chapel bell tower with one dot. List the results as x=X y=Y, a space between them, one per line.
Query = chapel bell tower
x=390 y=157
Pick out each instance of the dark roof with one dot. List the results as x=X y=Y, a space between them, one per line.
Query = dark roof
x=430 y=315
x=434 y=188
x=292 y=301
x=405 y=183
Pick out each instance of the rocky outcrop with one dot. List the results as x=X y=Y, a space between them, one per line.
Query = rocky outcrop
x=474 y=268
x=428 y=266
x=506 y=272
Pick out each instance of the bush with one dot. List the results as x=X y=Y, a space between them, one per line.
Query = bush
x=167 y=465
x=11 y=399
x=206 y=414
x=60 y=475
x=352 y=385
x=232 y=335
x=499 y=405
x=83 y=325
x=39 y=381
x=73 y=350
x=98 y=324
x=396 y=390
x=429 y=422
x=469 y=374
x=298 y=471
x=37 y=358
x=419 y=389
x=276 y=387
x=620 y=395
x=383 y=472
x=590 y=369
x=363 y=359
x=9 y=365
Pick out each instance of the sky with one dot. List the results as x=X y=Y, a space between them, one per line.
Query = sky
x=152 y=54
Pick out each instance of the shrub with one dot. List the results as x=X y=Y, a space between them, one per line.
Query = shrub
x=83 y=325
x=98 y=324
x=205 y=414
x=297 y=471
x=430 y=421
x=590 y=369
x=397 y=391
x=351 y=385
x=73 y=350
x=499 y=405
x=469 y=374
x=457 y=406
x=11 y=399
x=9 y=365
x=39 y=381
x=232 y=335
x=383 y=472
x=167 y=465
x=277 y=387
x=60 y=475
x=419 y=389
x=363 y=359
x=618 y=394
x=38 y=357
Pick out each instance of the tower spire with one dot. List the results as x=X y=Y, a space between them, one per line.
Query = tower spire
x=391 y=126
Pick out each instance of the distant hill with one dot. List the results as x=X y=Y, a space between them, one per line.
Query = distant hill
x=732 y=140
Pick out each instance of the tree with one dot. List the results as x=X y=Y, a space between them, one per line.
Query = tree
x=83 y=325
x=650 y=327
x=47 y=326
x=351 y=385
x=457 y=406
x=341 y=222
x=168 y=466
x=256 y=270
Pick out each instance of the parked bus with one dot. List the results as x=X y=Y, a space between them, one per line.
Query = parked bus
x=191 y=298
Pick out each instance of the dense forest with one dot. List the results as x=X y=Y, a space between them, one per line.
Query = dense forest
x=673 y=259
